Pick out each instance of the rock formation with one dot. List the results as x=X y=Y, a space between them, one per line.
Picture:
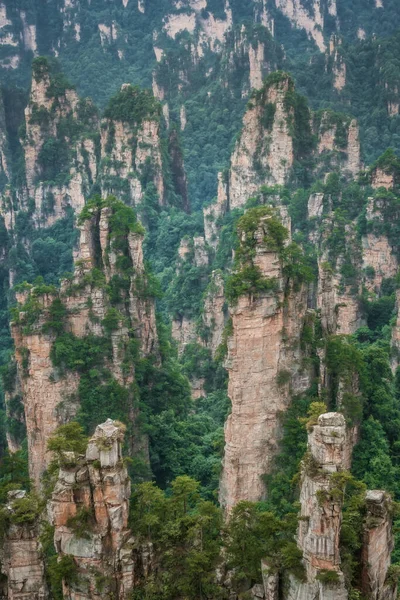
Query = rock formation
x=264 y=366
x=264 y=152
x=378 y=544
x=68 y=150
x=266 y=149
x=21 y=556
x=89 y=510
x=50 y=394
x=52 y=105
x=128 y=163
x=214 y=314
x=329 y=452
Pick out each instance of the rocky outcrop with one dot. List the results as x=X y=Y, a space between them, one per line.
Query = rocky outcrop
x=43 y=392
x=5 y=171
x=50 y=395
x=67 y=150
x=89 y=509
x=379 y=259
x=210 y=30
x=339 y=305
x=337 y=296
x=128 y=148
x=338 y=141
x=378 y=544
x=338 y=64
x=266 y=149
x=213 y=212
x=52 y=150
x=329 y=452
x=310 y=20
x=263 y=154
x=214 y=313
x=21 y=556
x=191 y=251
x=264 y=366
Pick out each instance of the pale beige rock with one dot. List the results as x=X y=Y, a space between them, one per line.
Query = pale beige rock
x=127 y=163
x=329 y=451
x=312 y=23
x=98 y=483
x=200 y=252
x=214 y=211
x=21 y=558
x=315 y=206
x=378 y=254
x=258 y=356
x=256 y=59
x=50 y=398
x=381 y=178
x=214 y=317
x=183 y=119
x=28 y=33
x=378 y=543
x=184 y=332
x=272 y=150
x=353 y=163
x=340 y=310
x=339 y=66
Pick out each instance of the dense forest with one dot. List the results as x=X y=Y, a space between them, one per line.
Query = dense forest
x=179 y=182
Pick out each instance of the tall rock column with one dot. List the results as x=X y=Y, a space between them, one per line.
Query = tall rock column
x=107 y=299
x=264 y=365
x=89 y=509
x=377 y=547
x=329 y=452
x=21 y=557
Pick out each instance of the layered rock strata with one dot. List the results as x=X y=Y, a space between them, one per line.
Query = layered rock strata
x=68 y=150
x=262 y=149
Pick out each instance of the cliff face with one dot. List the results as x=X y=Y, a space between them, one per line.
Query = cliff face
x=214 y=314
x=264 y=153
x=263 y=371
x=68 y=150
x=329 y=453
x=268 y=145
x=50 y=393
x=131 y=153
x=51 y=152
x=21 y=557
x=89 y=510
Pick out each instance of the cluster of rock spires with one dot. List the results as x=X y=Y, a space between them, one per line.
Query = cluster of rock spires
x=264 y=362
x=95 y=488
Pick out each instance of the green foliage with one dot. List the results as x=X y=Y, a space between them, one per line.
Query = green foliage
x=82 y=522
x=13 y=472
x=248 y=281
x=254 y=535
x=185 y=532
x=26 y=510
x=132 y=105
x=328 y=577
x=315 y=410
x=61 y=570
x=68 y=438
